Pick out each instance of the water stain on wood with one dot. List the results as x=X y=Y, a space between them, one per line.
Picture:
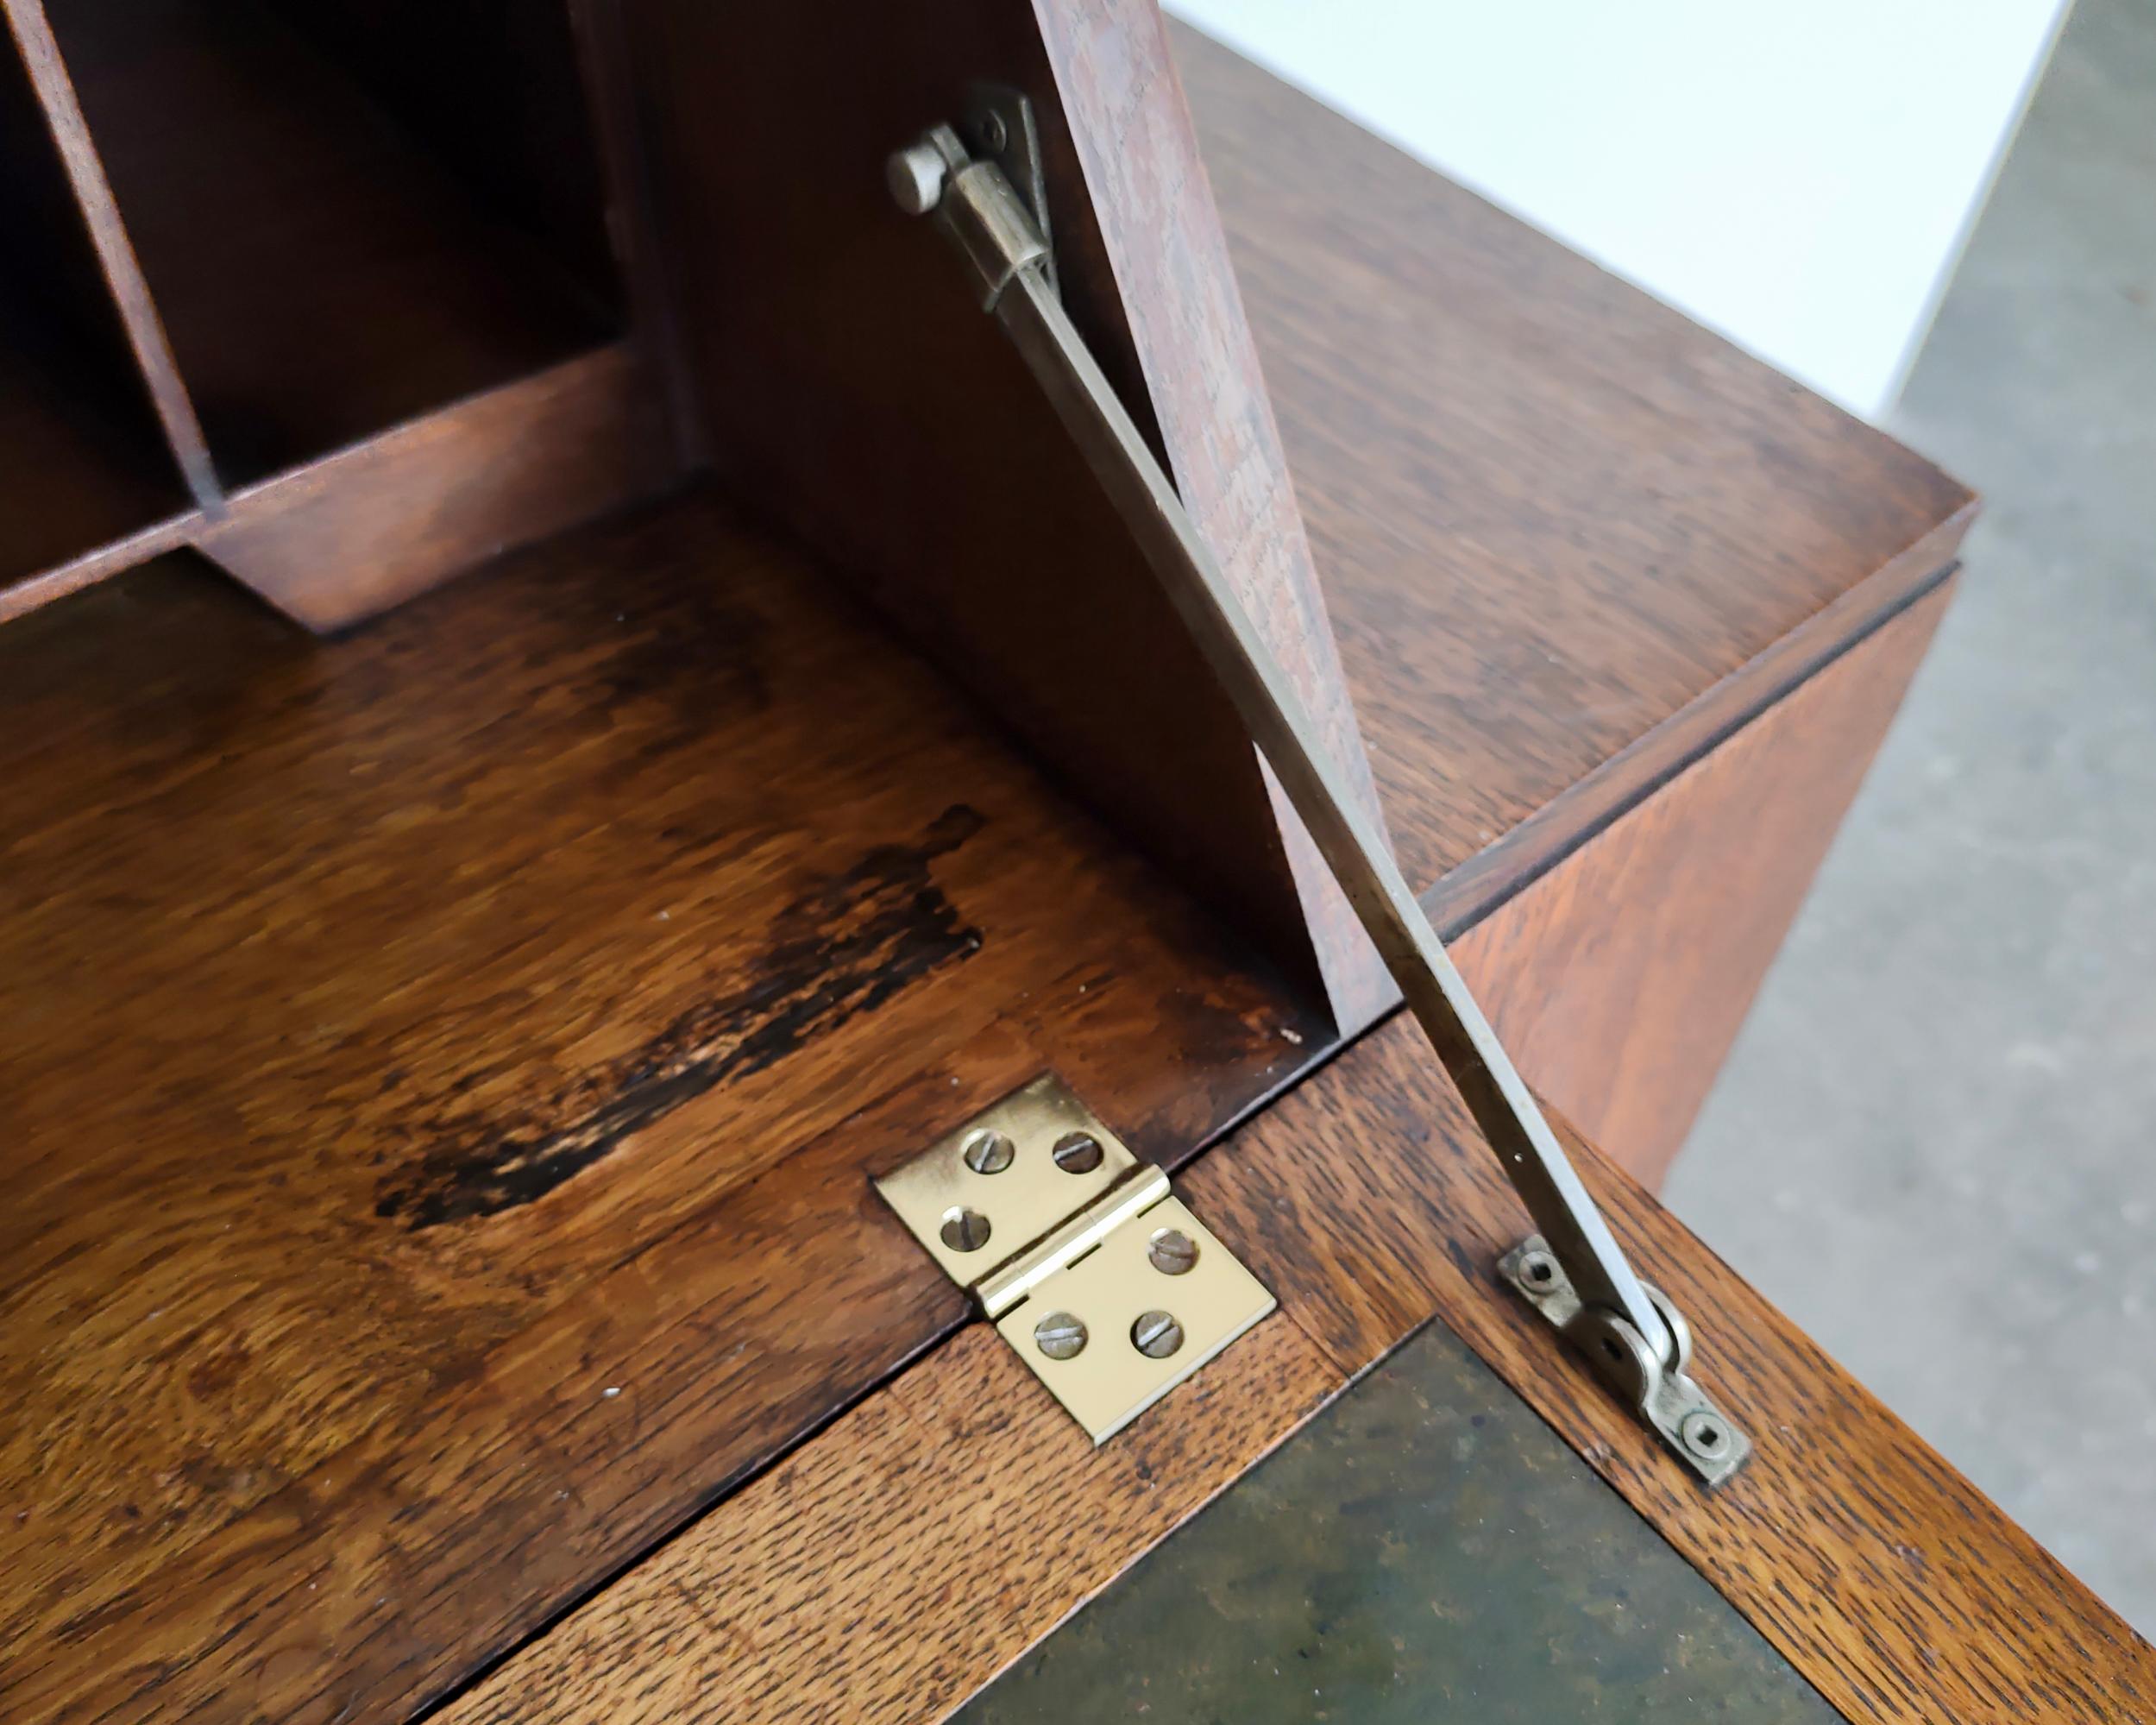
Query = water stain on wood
x=838 y=951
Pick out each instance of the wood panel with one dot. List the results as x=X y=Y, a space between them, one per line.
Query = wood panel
x=378 y=1013
x=321 y=279
x=1619 y=982
x=855 y=390
x=83 y=459
x=1136 y=143
x=343 y=537
x=1550 y=514
x=338 y=539
x=897 y=1562
x=130 y=296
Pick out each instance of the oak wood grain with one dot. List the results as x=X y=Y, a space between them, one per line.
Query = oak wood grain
x=338 y=539
x=855 y=390
x=321 y=277
x=1619 y=983
x=1137 y=148
x=897 y=1562
x=1883 y=1576
x=371 y=1007
x=1548 y=513
x=927 y=1539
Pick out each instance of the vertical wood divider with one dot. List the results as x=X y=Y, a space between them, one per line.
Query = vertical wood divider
x=33 y=38
x=603 y=57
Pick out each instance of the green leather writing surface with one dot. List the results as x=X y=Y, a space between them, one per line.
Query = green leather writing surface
x=1426 y=1550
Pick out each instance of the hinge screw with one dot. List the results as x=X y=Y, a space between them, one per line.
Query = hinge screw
x=1060 y=1336
x=1156 y=1335
x=965 y=1230
x=1173 y=1251
x=989 y=1152
x=1076 y=1153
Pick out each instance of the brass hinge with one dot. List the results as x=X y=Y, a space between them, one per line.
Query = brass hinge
x=1079 y=1254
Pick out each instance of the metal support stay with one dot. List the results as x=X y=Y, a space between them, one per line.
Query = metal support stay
x=960 y=178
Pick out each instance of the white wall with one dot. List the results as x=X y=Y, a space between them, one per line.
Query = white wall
x=1799 y=176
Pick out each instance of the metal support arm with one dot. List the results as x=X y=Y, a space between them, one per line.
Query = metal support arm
x=1623 y=1326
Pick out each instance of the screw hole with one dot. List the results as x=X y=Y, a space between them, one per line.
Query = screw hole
x=1076 y=1153
x=989 y=1152
x=1705 y=1437
x=1539 y=1270
x=964 y=1229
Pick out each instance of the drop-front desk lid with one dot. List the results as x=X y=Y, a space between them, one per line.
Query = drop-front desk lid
x=455 y=1029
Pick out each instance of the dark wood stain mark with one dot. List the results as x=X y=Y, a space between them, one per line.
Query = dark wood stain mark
x=836 y=952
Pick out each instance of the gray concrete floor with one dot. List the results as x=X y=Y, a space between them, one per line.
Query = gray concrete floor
x=1935 y=1144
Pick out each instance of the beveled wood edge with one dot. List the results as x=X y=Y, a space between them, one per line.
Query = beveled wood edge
x=19 y=598
x=1589 y=806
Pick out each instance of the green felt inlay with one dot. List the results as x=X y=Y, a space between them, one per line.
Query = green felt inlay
x=1426 y=1550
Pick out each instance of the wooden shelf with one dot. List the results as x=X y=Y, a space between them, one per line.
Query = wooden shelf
x=322 y=275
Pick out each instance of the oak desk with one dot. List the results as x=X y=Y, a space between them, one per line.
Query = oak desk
x=445 y=1060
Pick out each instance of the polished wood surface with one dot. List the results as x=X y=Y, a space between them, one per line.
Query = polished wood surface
x=901 y=1560
x=523 y=980
x=852 y=386
x=321 y=277
x=1131 y=131
x=407 y=509
x=1550 y=514
x=1621 y=981
x=376 y=1015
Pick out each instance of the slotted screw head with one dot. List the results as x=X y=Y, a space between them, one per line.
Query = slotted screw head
x=1156 y=1334
x=1171 y=1252
x=1077 y=1153
x=965 y=1230
x=989 y=1152
x=1059 y=1335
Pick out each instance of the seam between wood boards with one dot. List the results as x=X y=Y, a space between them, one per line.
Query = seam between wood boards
x=1482 y=885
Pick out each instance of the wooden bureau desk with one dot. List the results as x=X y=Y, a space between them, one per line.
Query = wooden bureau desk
x=445 y=1060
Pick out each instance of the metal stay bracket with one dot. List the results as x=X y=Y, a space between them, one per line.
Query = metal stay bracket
x=968 y=177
